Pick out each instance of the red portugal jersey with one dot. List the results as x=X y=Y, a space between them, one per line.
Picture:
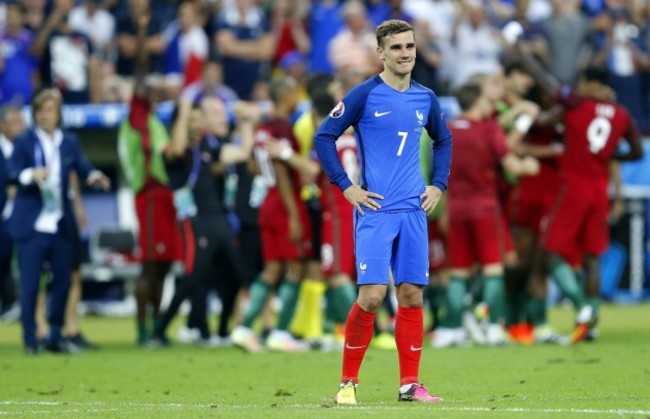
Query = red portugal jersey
x=478 y=149
x=346 y=147
x=281 y=130
x=592 y=131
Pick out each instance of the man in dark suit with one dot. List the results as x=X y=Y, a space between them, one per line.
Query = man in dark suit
x=41 y=222
x=11 y=124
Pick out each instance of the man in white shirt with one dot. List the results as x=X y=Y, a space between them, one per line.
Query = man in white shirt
x=41 y=223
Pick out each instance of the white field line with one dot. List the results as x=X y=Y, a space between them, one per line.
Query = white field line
x=101 y=407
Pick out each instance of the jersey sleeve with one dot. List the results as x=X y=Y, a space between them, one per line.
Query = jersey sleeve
x=567 y=97
x=499 y=145
x=346 y=113
x=442 y=144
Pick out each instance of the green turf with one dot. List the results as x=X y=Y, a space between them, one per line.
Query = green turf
x=609 y=378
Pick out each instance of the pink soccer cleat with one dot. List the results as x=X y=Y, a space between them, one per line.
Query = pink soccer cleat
x=417 y=393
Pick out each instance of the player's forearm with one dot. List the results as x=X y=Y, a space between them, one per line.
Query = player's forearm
x=546 y=82
x=330 y=163
x=285 y=188
x=441 y=163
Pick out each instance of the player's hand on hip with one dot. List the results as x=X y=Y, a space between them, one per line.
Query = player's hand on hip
x=430 y=198
x=359 y=197
x=295 y=229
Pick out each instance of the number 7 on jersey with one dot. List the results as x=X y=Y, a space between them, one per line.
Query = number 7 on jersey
x=402 y=134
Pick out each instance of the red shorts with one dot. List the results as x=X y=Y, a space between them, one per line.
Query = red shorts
x=437 y=252
x=577 y=223
x=337 y=247
x=533 y=199
x=159 y=237
x=274 y=229
x=475 y=239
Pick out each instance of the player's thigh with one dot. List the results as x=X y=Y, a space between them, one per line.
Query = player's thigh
x=411 y=251
x=459 y=243
x=563 y=224
x=595 y=236
x=276 y=244
x=489 y=238
x=374 y=234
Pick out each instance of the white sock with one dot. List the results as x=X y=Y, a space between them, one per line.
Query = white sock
x=405 y=387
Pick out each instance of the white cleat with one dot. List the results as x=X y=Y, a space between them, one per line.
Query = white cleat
x=187 y=335
x=473 y=327
x=282 y=341
x=495 y=335
x=446 y=337
x=244 y=338
x=544 y=333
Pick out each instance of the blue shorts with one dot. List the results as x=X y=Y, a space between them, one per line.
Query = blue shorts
x=391 y=240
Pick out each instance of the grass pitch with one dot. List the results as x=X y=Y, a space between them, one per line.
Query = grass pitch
x=609 y=378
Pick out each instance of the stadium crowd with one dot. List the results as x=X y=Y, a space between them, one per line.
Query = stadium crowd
x=233 y=189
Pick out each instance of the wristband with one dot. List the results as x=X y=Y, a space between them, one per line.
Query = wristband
x=285 y=153
x=523 y=123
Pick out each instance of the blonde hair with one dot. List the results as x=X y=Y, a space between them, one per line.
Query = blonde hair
x=43 y=96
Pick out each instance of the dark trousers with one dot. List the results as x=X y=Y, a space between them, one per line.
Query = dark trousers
x=33 y=253
x=7 y=288
x=209 y=251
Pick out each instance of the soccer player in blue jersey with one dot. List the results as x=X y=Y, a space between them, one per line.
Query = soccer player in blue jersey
x=388 y=113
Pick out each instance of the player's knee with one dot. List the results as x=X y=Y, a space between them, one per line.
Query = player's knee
x=370 y=303
x=409 y=296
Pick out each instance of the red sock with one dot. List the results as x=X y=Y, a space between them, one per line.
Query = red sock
x=359 y=329
x=409 y=335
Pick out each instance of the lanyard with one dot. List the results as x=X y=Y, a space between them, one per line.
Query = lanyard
x=196 y=166
x=39 y=159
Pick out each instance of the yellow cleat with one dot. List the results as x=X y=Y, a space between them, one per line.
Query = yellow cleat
x=347 y=393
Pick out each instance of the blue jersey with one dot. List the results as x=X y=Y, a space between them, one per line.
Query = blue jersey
x=388 y=125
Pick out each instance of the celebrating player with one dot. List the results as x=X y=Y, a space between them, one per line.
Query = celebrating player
x=577 y=224
x=388 y=112
x=475 y=215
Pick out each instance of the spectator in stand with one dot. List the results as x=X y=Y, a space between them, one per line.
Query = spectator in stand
x=290 y=28
x=244 y=39
x=533 y=34
x=568 y=31
x=18 y=68
x=66 y=56
x=210 y=85
x=141 y=142
x=625 y=56
x=642 y=17
x=477 y=44
x=354 y=47
x=11 y=125
x=91 y=19
x=434 y=21
x=127 y=43
x=34 y=14
x=325 y=21
x=186 y=51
